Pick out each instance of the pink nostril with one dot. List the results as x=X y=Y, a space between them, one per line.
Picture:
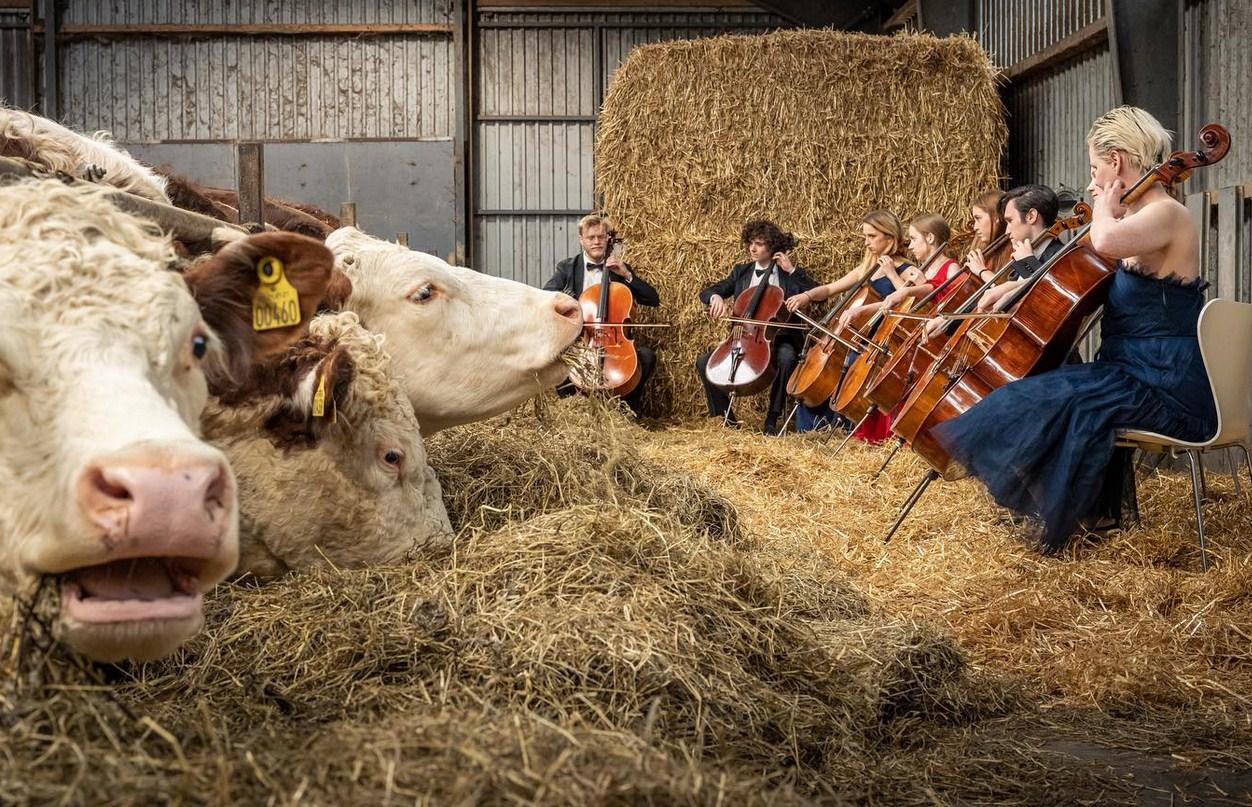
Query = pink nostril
x=568 y=308
x=156 y=500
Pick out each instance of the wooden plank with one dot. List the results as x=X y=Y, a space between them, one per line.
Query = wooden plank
x=347 y=214
x=1198 y=206
x=1228 y=216
x=283 y=29
x=251 y=183
x=1084 y=39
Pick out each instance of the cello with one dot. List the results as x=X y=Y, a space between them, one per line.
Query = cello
x=850 y=400
x=820 y=369
x=1048 y=313
x=606 y=311
x=893 y=381
x=742 y=363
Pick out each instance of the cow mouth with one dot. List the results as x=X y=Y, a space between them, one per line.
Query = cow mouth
x=133 y=590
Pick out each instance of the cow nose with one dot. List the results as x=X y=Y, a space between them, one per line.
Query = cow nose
x=568 y=308
x=159 y=507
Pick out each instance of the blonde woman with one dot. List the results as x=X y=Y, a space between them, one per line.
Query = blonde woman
x=1058 y=463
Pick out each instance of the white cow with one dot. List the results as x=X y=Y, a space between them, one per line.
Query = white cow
x=464 y=345
x=48 y=143
x=105 y=485
x=342 y=481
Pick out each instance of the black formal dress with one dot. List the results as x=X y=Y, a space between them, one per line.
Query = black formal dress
x=784 y=350
x=569 y=278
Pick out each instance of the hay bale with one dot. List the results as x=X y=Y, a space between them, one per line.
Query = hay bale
x=809 y=128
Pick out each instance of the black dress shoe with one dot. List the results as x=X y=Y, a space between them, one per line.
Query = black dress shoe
x=771 y=426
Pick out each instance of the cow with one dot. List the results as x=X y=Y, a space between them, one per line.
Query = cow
x=223 y=203
x=56 y=148
x=464 y=345
x=328 y=456
x=106 y=361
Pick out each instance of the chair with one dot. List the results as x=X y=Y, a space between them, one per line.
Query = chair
x=1225 y=335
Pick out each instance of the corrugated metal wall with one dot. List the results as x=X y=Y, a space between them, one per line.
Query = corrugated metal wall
x=541 y=76
x=1049 y=112
x=206 y=87
x=1049 y=116
x=1013 y=30
x=16 y=78
x=1217 y=83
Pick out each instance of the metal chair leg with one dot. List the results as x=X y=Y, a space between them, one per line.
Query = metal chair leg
x=1247 y=461
x=1197 y=478
x=1234 y=469
x=911 y=501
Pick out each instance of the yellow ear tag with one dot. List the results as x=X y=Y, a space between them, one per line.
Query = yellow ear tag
x=319 y=398
x=276 y=303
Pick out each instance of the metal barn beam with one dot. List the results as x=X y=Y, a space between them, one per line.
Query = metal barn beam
x=839 y=13
x=1145 y=37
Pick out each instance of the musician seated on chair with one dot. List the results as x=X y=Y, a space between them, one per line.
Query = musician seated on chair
x=586 y=269
x=767 y=247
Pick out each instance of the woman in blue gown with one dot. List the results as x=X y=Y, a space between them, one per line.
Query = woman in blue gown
x=1044 y=445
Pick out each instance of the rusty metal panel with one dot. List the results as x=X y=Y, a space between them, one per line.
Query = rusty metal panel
x=1014 y=30
x=220 y=12
x=1217 y=76
x=17 y=81
x=210 y=87
x=1048 y=121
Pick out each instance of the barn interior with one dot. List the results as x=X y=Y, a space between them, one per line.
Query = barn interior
x=659 y=610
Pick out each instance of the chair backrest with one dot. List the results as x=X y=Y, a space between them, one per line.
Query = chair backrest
x=1225 y=333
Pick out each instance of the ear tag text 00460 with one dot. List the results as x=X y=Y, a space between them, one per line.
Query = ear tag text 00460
x=276 y=303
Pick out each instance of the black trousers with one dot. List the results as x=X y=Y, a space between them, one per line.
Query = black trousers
x=785 y=357
x=647 y=365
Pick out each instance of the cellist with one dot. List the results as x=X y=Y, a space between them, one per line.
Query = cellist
x=574 y=275
x=883 y=236
x=1058 y=465
x=767 y=247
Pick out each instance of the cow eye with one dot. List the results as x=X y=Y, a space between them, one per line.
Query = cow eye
x=393 y=458
x=199 y=345
x=422 y=293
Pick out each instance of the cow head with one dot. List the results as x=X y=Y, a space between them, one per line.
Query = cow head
x=328 y=455
x=106 y=361
x=464 y=345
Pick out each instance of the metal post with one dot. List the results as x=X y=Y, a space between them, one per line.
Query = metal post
x=912 y=500
x=251 y=159
x=51 y=72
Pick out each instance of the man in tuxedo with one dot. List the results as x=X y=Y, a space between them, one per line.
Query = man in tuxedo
x=586 y=269
x=767 y=246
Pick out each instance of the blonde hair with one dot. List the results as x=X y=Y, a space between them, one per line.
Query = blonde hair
x=933 y=224
x=1132 y=131
x=596 y=220
x=887 y=223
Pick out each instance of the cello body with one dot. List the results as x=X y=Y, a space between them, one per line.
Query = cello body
x=606 y=309
x=817 y=376
x=742 y=364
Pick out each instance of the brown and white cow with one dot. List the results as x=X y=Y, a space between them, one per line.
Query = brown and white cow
x=464 y=345
x=339 y=477
x=48 y=143
x=106 y=484
x=106 y=359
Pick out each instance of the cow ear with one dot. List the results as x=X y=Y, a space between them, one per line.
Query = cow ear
x=338 y=291
x=225 y=285
x=315 y=389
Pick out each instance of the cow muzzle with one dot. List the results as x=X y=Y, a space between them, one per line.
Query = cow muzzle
x=164 y=530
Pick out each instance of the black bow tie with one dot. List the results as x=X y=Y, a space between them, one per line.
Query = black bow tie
x=760 y=272
x=596 y=267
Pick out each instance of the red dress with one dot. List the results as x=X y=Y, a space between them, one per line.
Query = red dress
x=947 y=270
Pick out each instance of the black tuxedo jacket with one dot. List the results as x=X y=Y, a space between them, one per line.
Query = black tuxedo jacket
x=1026 y=267
x=568 y=278
x=741 y=275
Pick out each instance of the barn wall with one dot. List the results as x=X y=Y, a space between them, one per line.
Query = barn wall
x=540 y=78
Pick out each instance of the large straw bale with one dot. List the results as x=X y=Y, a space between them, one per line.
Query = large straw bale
x=809 y=128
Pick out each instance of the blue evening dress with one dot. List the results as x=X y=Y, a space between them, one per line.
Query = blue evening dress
x=1042 y=445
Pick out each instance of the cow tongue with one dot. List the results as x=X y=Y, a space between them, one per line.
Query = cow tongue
x=126 y=590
